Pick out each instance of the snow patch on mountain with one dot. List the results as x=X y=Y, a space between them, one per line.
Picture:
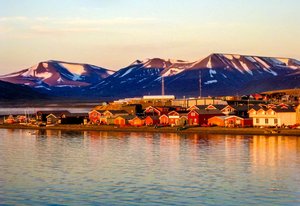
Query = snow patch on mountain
x=212 y=72
x=246 y=68
x=211 y=81
x=74 y=68
x=263 y=63
x=172 y=71
x=127 y=72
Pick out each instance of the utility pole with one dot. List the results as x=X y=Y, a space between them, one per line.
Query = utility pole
x=162 y=86
x=200 y=84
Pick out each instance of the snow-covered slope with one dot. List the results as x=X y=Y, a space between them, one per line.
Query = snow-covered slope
x=50 y=74
x=221 y=74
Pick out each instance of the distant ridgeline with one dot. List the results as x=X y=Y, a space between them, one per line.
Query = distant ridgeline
x=215 y=75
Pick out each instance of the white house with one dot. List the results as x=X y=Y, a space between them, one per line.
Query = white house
x=274 y=116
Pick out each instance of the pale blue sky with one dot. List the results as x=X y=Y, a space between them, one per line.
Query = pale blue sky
x=114 y=33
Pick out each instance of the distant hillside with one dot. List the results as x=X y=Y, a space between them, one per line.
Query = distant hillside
x=17 y=92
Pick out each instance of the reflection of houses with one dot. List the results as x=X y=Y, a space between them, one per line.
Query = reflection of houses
x=273 y=115
x=230 y=121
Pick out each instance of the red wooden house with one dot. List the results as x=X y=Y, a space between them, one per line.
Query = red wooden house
x=152 y=111
x=201 y=116
x=95 y=116
x=151 y=120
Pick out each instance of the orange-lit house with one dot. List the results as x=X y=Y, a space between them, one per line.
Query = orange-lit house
x=164 y=119
x=230 y=121
x=151 y=120
x=137 y=121
x=95 y=116
x=123 y=120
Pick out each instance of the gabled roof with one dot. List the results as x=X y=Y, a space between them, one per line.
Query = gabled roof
x=208 y=111
x=280 y=109
x=227 y=117
x=127 y=117
x=55 y=112
x=77 y=115
x=153 y=117
x=99 y=111
x=115 y=112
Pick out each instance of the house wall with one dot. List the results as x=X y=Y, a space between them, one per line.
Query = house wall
x=94 y=117
x=164 y=120
x=193 y=118
x=216 y=121
x=268 y=119
x=137 y=122
x=287 y=118
x=298 y=114
x=119 y=121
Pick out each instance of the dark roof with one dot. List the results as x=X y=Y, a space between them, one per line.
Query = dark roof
x=217 y=106
x=127 y=117
x=77 y=115
x=280 y=109
x=54 y=112
x=208 y=111
x=114 y=112
x=241 y=107
x=154 y=117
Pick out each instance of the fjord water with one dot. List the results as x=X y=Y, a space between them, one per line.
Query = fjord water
x=108 y=168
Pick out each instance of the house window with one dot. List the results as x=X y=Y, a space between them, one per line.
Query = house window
x=275 y=121
x=193 y=114
x=257 y=121
x=266 y=121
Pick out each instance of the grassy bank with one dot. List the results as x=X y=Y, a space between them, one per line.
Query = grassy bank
x=203 y=130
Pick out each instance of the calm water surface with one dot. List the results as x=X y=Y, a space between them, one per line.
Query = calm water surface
x=100 y=168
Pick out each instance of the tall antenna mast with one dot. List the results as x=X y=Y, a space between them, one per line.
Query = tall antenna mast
x=162 y=86
x=200 y=84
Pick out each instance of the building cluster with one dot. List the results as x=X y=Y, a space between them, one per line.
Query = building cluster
x=162 y=111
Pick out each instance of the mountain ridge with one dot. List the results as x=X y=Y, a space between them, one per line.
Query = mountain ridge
x=221 y=74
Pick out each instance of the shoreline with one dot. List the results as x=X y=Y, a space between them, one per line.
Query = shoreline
x=193 y=130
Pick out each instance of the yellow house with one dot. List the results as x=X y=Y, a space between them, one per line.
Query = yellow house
x=275 y=116
x=298 y=114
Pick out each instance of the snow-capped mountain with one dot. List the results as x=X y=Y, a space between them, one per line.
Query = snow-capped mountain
x=55 y=74
x=219 y=74
x=216 y=75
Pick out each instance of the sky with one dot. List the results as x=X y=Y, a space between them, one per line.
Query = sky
x=114 y=33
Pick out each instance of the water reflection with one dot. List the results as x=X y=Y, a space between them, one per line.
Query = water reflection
x=56 y=167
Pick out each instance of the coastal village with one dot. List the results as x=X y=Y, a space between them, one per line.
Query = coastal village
x=255 y=110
